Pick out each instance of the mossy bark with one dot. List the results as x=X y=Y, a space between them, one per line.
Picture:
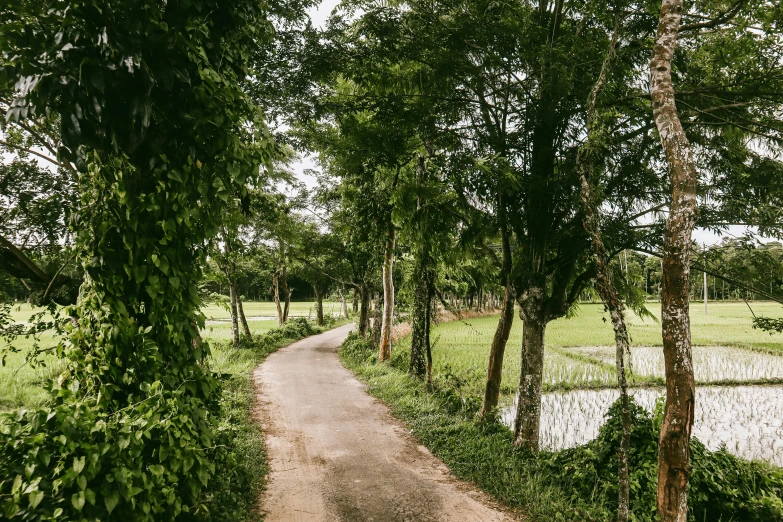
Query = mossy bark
x=674 y=445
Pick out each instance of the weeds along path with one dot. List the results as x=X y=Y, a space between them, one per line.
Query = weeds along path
x=335 y=453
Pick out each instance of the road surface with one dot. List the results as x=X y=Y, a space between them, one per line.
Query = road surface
x=336 y=454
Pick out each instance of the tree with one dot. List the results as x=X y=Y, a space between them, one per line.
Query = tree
x=36 y=201
x=674 y=446
x=315 y=251
x=507 y=69
x=154 y=180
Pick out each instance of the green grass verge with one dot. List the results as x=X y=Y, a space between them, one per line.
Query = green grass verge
x=213 y=311
x=578 y=484
x=232 y=494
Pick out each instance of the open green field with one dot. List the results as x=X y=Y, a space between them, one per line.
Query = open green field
x=572 y=360
x=21 y=312
x=739 y=373
x=268 y=309
x=21 y=385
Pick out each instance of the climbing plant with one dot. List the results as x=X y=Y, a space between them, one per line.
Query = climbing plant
x=153 y=114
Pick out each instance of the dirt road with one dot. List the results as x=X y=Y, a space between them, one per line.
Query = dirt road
x=337 y=454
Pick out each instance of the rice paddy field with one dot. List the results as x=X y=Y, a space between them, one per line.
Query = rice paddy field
x=22 y=385
x=262 y=310
x=257 y=310
x=739 y=373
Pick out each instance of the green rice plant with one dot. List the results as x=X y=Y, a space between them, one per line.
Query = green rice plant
x=744 y=420
x=711 y=364
x=464 y=345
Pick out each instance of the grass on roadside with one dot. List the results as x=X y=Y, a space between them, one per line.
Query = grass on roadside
x=241 y=466
x=578 y=484
x=232 y=495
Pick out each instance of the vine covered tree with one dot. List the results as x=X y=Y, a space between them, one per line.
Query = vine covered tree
x=152 y=114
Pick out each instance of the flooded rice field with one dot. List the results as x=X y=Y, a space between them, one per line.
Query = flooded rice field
x=559 y=368
x=747 y=419
x=710 y=363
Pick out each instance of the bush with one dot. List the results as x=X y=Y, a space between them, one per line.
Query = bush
x=146 y=461
x=723 y=487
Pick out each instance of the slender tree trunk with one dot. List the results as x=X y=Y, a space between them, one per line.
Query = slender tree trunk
x=496 y=354
x=674 y=446
x=385 y=348
x=428 y=326
x=281 y=285
x=418 y=365
x=498 y=349
x=287 y=292
x=233 y=305
x=243 y=319
x=604 y=281
x=355 y=301
x=344 y=302
x=377 y=318
x=528 y=416
x=611 y=298
x=276 y=291
x=364 y=311
x=319 y=305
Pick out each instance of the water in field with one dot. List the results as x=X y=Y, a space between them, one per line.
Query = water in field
x=747 y=419
x=710 y=363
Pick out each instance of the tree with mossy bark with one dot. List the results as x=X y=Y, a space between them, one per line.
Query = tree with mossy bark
x=153 y=117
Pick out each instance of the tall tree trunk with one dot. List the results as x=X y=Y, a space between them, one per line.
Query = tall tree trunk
x=385 y=348
x=276 y=291
x=287 y=292
x=428 y=325
x=232 y=292
x=604 y=281
x=319 y=305
x=243 y=319
x=344 y=302
x=418 y=365
x=528 y=415
x=496 y=353
x=498 y=349
x=377 y=318
x=281 y=285
x=364 y=311
x=605 y=286
x=674 y=446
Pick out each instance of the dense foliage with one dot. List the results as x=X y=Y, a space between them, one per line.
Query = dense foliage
x=152 y=114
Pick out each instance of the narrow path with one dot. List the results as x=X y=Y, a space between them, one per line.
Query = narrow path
x=336 y=454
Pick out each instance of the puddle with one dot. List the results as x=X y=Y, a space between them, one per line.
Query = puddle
x=747 y=419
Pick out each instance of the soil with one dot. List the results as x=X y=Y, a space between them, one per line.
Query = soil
x=336 y=454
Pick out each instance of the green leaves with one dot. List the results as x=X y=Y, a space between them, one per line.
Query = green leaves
x=137 y=104
x=110 y=500
x=35 y=498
